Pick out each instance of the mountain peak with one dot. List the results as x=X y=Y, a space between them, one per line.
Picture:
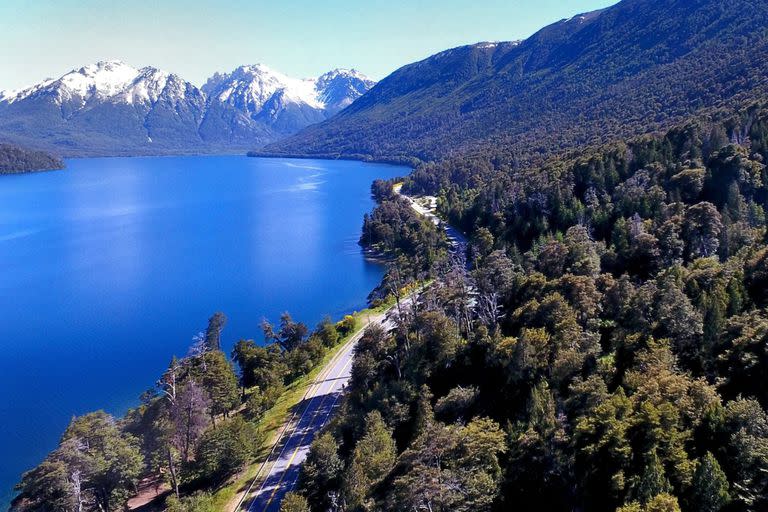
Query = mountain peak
x=252 y=104
x=258 y=68
x=344 y=72
x=108 y=64
x=339 y=87
x=634 y=67
x=252 y=87
x=584 y=17
x=104 y=78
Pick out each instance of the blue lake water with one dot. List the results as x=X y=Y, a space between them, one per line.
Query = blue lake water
x=109 y=268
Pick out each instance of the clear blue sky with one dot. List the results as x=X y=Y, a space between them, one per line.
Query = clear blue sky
x=194 y=38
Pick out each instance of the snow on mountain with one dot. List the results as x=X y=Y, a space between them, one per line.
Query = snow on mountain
x=111 y=104
x=145 y=87
x=12 y=95
x=104 y=81
x=253 y=86
x=247 y=87
x=257 y=102
x=339 y=88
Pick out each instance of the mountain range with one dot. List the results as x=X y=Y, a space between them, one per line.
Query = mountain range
x=111 y=108
x=639 y=66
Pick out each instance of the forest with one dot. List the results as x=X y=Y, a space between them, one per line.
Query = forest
x=14 y=159
x=636 y=67
x=199 y=426
x=601 y=346
x=602 y=349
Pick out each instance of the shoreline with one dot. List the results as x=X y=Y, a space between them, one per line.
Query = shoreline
x=455 y=236
x=407 y=161
x=361 y=190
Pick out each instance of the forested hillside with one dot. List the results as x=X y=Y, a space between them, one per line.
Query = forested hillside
x=192 y=434
x=605 y=351
x=14 y=159
x=636 y=67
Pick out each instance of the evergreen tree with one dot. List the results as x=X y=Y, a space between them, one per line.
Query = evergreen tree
x=213 y=332
x=710 y=485
x=321 y=471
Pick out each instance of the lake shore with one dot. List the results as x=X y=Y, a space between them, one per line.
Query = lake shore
x=144 y=250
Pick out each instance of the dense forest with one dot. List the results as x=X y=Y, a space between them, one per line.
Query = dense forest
x=633 y=68
x=603 y=349
x=602 y=344
x=193 y=431
x=14 y=159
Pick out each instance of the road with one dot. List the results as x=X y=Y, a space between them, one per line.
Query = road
x=319 y=404
x=456 y=239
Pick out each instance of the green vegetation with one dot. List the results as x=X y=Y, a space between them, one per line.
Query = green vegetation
x=601 y=346
x=394 y=229
x=294 y=503
x=603 y=351
x=633 y=68
x=14 y=159
x=197 y=429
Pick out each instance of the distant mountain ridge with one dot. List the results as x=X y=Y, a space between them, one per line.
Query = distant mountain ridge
x=113 y=108
x=636 y=67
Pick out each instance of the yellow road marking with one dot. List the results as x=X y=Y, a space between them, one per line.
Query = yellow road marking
x=314 y=386
x=301 y=442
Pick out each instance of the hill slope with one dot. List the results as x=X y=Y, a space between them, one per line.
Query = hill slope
x=14 y=159
x=638 y=66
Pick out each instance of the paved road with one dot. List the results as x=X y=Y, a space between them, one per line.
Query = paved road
x=456 y=238
x=319 y=404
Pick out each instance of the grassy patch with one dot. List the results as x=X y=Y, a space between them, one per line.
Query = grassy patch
x=277 y=416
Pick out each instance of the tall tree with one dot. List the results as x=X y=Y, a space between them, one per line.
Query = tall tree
x=372 y=459
x=290 y=335
x=219 y=381
x=225 y=450
x=189 y=415
x=213 y=332
x=701 y=230
x=293 y=502
x=96 y=467
x=321 y=471
x=710 y=485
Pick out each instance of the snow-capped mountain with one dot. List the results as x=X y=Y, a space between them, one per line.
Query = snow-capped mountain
x=113 y=108
x=253 y=86
x=112 y=81
x=337 y=89
x=252 y=97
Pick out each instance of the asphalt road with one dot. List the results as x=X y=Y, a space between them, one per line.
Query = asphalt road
x=318 y=406
x=456 y=239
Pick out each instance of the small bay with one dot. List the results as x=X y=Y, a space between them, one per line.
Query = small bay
x=110 y=267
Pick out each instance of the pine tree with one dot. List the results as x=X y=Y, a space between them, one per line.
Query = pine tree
x=293 y=502
x=710 y=485
x=373 y=458
x=653 y=481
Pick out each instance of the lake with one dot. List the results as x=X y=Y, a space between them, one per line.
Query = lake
x=110 y=267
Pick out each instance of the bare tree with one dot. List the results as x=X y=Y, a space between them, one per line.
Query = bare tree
x=168 y=383
x=189 y=417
